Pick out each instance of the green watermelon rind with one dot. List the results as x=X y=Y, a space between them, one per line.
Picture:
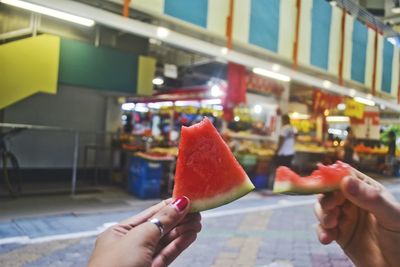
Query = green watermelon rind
x=289 y=188
x=237 y=192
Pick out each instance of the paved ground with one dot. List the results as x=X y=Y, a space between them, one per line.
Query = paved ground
x=258 y=230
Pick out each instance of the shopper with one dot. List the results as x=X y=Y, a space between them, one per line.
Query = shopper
x=154 y=237
x=391 y=161
x=285 y=150
x=349 y=147
x=364 y=219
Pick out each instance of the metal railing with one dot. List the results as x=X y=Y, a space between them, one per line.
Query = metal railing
x=64 y=147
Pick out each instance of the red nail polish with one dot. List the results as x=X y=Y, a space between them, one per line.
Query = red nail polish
x=180 y=203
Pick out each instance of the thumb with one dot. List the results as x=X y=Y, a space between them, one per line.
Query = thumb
x=148 y=234
x=373 y=197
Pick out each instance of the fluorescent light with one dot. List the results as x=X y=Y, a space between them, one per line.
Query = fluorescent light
x=128 y=106
x=326 y=84
x=337 y=119
x=216 y=91
x=158 y=81
x=187 y=103
x=271 y=74
x=216 y=101
x=365 y=101
x=158 y=105
x=162 y=32
x=257 y=109
x=50 y=12
x=299 y=116
x=218 y=107
x=141 y=109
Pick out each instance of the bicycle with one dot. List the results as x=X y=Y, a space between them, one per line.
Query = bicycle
x=9 y=165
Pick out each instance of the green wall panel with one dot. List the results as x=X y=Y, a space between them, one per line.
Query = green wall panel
x=85 y=65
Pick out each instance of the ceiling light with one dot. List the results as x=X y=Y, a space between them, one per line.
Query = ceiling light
x=216 y=91
x=216 y=101
x=276 y=67
x=299 y=116
x=128 y=106
x=383 y=107
x=50 y=12
x=224 y=50
x=326 y=84
x=158 y=81
x=352 y=92
x=337 y=119
x=236 y=118
x=257 y=109
x=271 y=74
x=141 y=109
x=162 y=32
x=365 y=101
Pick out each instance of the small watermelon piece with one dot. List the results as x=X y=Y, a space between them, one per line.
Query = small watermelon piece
x=324 y=179
x=207 y=171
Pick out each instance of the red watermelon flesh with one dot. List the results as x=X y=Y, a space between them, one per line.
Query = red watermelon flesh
x=324 y=179
x=207 y=171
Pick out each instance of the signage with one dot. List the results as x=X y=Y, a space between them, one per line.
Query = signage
x=354 y=109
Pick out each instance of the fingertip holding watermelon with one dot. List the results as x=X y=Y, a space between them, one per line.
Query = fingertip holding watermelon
x=207 y=171
x=324 y=179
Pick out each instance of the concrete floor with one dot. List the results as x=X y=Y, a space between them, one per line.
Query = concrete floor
x=258 y=230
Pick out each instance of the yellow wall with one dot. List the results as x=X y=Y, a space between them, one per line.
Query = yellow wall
x=27 y=67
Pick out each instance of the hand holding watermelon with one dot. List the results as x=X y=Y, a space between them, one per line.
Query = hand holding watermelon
x=155 y=237
x=363 y=218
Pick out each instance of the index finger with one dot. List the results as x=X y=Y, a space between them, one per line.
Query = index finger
x=331 y=200
x=146 y=214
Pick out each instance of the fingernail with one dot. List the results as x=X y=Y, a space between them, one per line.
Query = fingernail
x=180 y=203
x=352 y=187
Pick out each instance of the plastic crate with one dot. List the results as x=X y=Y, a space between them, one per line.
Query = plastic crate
x=145 y=176
x=260 y=181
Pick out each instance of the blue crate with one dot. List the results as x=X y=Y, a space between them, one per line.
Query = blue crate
x=145 y=177
x=260 y=181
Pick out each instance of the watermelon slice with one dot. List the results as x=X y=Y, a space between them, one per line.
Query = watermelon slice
x=207 y=172
x=324 y=179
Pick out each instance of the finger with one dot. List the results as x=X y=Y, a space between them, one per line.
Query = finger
x=326 y=236
x=146 y=214
x=181 y=230
x=327 y=219
x=331 y=200
x=373 y=199
x=148 y=234
x=174 y=249
x=191 y=217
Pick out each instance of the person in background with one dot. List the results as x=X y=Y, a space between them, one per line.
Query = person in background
x=391 y=155
x=349 y=147
x=287 y=136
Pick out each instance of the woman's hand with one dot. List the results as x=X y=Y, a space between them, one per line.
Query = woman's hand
x=136 y=242
x=364 y=219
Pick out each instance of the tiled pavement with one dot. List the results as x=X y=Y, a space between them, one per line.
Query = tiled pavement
x=269 y=233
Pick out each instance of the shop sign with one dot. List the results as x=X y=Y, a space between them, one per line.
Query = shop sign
x=354 y=109
x=323 y=101
x=263 y=85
